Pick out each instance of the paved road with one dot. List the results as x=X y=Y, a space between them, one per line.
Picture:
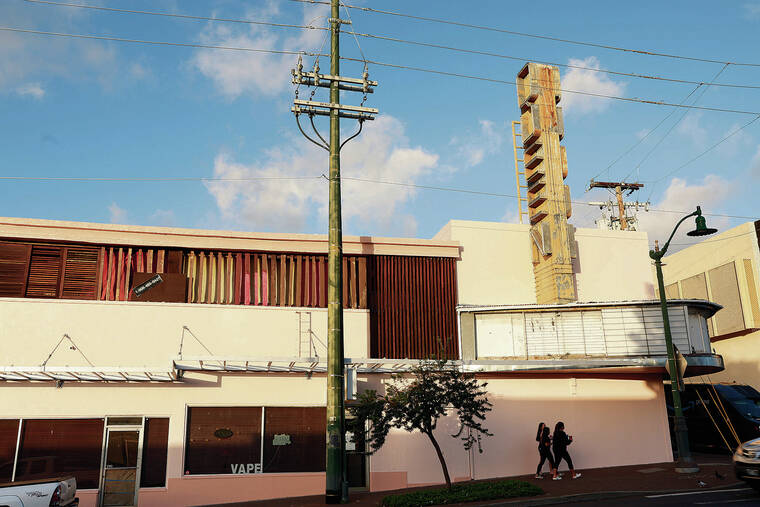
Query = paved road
x=739 y=496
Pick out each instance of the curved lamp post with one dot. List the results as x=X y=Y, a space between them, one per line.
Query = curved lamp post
x=685 y=461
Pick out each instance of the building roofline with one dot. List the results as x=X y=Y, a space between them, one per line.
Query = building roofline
x=152 y=236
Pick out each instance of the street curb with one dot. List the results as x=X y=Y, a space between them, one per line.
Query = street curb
x=602 y=495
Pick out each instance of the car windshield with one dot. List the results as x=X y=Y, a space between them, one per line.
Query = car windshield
x=744 y=399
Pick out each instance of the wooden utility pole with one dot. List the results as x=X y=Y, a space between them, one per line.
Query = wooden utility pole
x=620 y=187
x=336 y=483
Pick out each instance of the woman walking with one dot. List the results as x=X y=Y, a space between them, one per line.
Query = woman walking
x=560 y=441
x=544 y=451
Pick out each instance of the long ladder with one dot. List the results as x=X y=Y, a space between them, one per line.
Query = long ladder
x=305 y=342
x=517 y=132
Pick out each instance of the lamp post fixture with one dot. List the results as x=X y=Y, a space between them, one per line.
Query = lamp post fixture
x=686 y=463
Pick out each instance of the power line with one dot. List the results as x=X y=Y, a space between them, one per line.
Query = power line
x=167 y=179
x=672 y=127
x=512 y=196
x=735 y=131
x=564 y=90
x=393 y=39
x=535 y=36
x=320 y=177
x=174 y=15
x=374 y=62
x=159 y=43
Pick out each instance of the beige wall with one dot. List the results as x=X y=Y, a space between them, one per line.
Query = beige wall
x=496 y=266
x=148 y=334
x=612 y=265
x=741 y=355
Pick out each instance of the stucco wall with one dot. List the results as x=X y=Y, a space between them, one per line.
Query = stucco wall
x=148 y=334
x=741 y=356
x=496 y=265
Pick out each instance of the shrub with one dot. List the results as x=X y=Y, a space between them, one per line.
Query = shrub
x=467 y=492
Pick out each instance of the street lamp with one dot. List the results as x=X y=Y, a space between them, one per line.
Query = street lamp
x=685 y=461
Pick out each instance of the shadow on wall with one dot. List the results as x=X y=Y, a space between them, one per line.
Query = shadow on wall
x=626 y=425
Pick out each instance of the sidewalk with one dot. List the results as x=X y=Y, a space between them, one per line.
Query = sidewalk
x=715 y=470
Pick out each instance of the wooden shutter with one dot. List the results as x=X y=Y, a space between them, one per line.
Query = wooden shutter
x=44 y=272
x=14 y=262
x=80 y=279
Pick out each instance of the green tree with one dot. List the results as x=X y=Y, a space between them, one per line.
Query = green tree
x=416 y=400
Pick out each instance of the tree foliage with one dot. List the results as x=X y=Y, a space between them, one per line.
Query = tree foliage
x=416 y=400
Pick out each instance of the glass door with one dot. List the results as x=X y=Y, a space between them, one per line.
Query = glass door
x=121 y=467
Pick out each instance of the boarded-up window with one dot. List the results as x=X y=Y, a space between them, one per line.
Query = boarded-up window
x=221 y=440
x=44 y=272
x=8 y=436
x=54 y=447
x=155 y=440
x=671 y=291
x=14 y=261
x=294 y=439
x=725 y=291
x=695 y=287
x=80 y=279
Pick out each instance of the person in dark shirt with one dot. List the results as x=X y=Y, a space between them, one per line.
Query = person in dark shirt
x=560 y=441
x=544 y=451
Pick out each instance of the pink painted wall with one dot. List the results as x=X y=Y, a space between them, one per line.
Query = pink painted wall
x=614 y=421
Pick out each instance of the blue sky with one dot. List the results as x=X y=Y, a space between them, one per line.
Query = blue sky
x=91 y=108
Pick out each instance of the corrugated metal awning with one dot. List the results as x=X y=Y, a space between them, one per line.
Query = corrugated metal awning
x=85 y=374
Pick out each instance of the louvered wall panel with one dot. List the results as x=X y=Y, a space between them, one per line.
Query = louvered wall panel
x=80 y=279
x=541 y=334
x=44 y=272
x=412 y=303
x=14 y=261
x=594 y=332
x=570 y=333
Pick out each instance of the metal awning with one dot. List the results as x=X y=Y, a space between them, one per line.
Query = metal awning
x=697 y=364
x=85 y=374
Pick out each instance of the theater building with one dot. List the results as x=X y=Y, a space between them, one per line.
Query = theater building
x=210 y=387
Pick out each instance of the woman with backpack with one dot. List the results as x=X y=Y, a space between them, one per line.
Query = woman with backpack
x=544 y=451
x=560 y=441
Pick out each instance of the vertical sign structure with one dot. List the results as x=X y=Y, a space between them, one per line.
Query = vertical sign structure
x=553 y=243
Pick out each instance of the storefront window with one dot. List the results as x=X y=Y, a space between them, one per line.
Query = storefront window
x=294 y=439
x=223 y=440
x=8 y=436
x=55 y=447
x=155 y=439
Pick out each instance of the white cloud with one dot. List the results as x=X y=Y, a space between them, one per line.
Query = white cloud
x=163 y=217
x=382 y=152
x=474 y=147
x=238 y=72
x=754 y=167
x=691 y=128
x=752 y=10
x=118 y=215
x=588 y=81
x=33 y=90
x=641 y=134
x=680 y=196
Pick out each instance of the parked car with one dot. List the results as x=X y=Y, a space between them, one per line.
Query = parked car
x=59 y=492
x=703 y=412
x=747 y=463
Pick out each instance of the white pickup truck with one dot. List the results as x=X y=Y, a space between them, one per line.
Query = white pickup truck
x=58 y=492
